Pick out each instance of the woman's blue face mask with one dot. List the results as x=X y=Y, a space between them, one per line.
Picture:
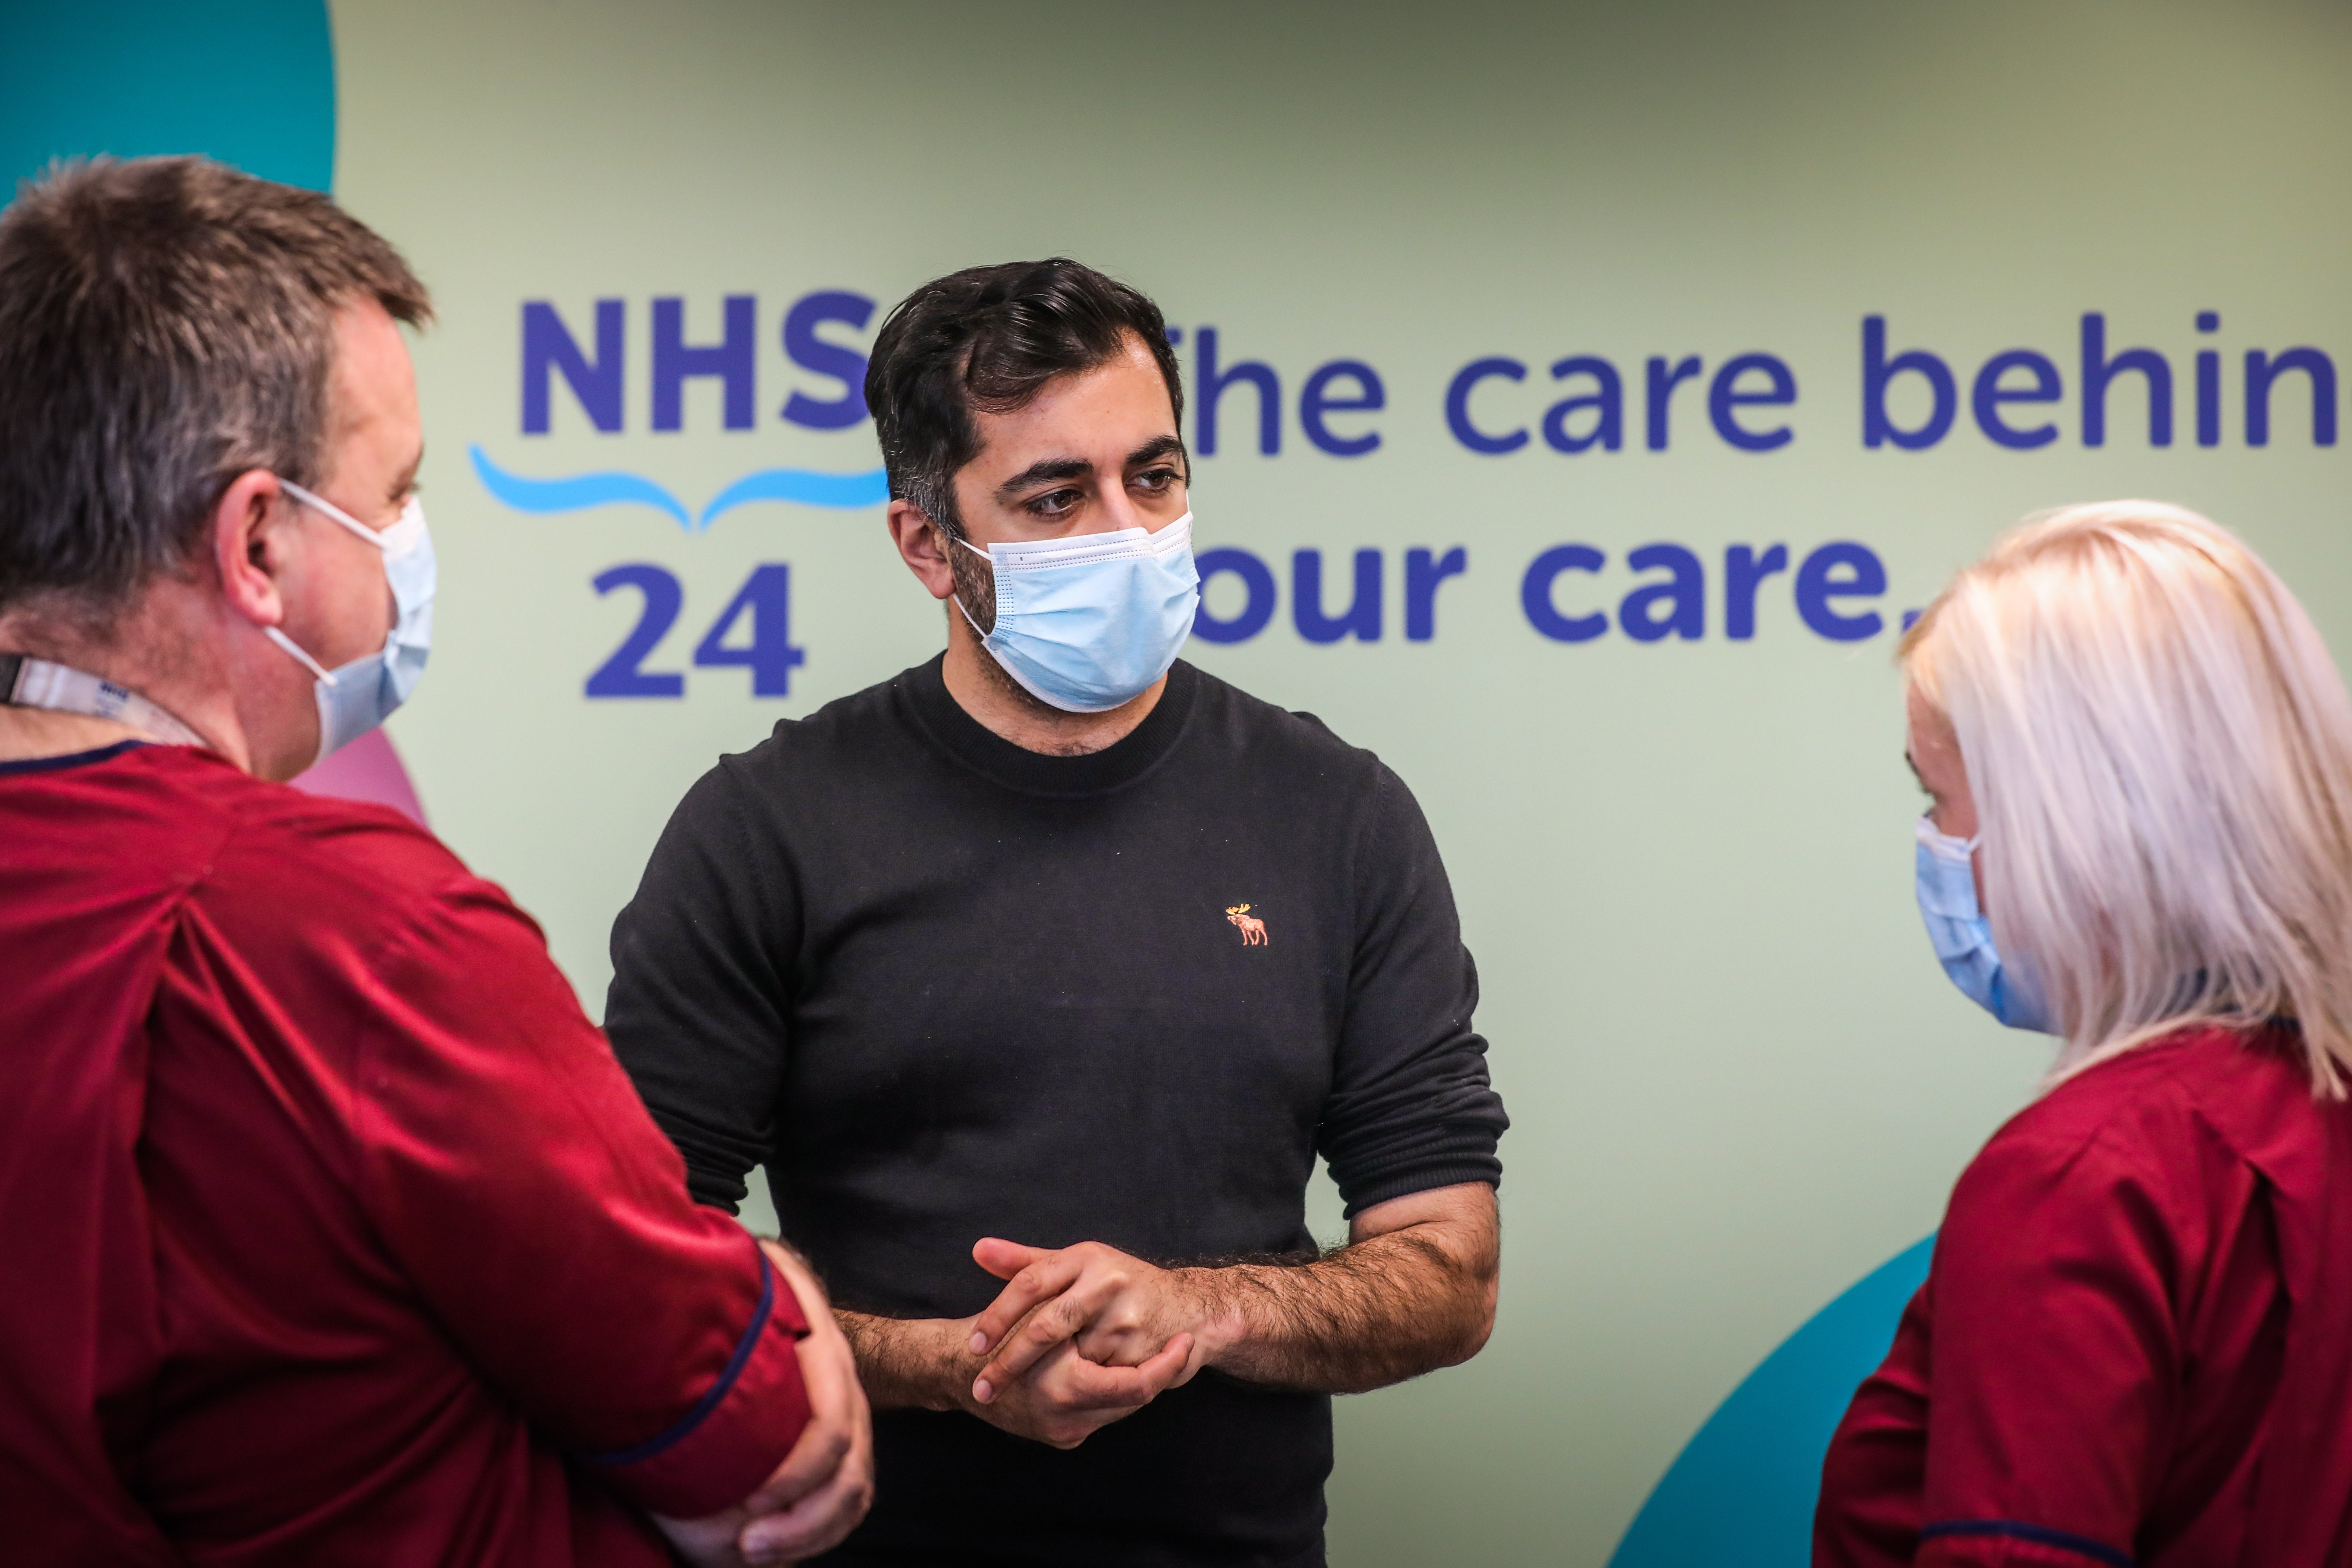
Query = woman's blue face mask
x=1963 y=936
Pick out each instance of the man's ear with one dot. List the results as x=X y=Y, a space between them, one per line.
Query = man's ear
x=249 y=541
x=922 y=545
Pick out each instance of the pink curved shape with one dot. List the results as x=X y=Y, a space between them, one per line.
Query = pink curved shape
x=368 y=769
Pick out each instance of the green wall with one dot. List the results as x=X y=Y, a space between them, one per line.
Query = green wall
x=1738 y=1082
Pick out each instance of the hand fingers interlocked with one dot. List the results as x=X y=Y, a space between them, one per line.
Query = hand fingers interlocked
x=1116 y=1310
x=1066 y=1398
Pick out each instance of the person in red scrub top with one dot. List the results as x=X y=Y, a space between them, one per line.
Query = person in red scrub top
x=330 y=1232
x=2135 y=1344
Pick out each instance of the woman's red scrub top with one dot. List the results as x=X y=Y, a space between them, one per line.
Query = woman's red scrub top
x=2135 y=1344
x=330 y=1232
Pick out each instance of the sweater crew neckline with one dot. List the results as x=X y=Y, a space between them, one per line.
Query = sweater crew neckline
x=943 y=721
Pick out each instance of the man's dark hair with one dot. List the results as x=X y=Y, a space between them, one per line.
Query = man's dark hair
x=990 y=338
x=165 y=325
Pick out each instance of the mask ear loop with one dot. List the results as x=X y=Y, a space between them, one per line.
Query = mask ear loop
x=984 y=555
x=329 y=509
x=290 y=645
x=321 y=504
x=1936 y=838
x=373 y=536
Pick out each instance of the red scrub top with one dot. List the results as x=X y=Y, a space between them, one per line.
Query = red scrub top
x=330 y=1232
x=2135 y=1344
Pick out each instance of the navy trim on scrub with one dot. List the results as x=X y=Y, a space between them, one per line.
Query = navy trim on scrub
x=72 y=760
x=2040 y=1534
x=709 y=1402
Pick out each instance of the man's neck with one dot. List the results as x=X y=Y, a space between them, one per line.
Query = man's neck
x=155 y=649
x=998 y=704
x=26 y=733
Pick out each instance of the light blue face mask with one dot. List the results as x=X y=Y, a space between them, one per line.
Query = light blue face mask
x=362 y=694
x=1963 y=936
x=1087 y=624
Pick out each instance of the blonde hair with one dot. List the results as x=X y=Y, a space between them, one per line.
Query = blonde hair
x=2160 y=751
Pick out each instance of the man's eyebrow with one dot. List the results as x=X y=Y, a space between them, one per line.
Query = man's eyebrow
x=1151 y=451
x=1041 y=471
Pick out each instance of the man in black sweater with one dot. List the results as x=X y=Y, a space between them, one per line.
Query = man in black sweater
x=1039 y=976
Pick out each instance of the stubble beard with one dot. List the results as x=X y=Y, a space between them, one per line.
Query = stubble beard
x=975 y=586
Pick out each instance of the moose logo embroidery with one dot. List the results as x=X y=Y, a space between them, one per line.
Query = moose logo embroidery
x=1252 y=930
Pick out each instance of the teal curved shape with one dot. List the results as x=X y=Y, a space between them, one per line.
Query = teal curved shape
x=250 y=82
x=1742 y=1490
x=802 y=486
x=575 y=493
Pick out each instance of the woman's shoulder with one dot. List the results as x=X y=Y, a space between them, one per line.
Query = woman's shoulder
x=2159 y=1116
x=2190 y=1071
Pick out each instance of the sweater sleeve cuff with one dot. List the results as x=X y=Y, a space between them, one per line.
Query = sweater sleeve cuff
x=1425 y=1178
x=719 y=1452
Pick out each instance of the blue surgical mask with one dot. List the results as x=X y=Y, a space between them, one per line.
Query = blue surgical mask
x=1963 y=936
x=1087 y=624
x=360 y=695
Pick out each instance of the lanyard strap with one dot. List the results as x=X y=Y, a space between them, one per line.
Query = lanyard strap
x=29 y=683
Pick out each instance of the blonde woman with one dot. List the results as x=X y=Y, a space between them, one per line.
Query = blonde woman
x=2134 y=1346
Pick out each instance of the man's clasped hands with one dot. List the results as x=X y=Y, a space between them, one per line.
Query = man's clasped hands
x=1082 y=1335
x=1079 y=1337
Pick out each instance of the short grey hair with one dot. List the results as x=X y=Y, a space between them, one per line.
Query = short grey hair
x=165 y=325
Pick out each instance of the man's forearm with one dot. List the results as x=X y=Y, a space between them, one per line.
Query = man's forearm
x=909 y=1363
x=1376 y=1311
x=928 y=1364
x=1414 y=1290
x=902 y=1362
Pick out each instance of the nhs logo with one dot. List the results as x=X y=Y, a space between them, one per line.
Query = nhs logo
x=598 y=375
x=693 y=366
x=715 y=367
